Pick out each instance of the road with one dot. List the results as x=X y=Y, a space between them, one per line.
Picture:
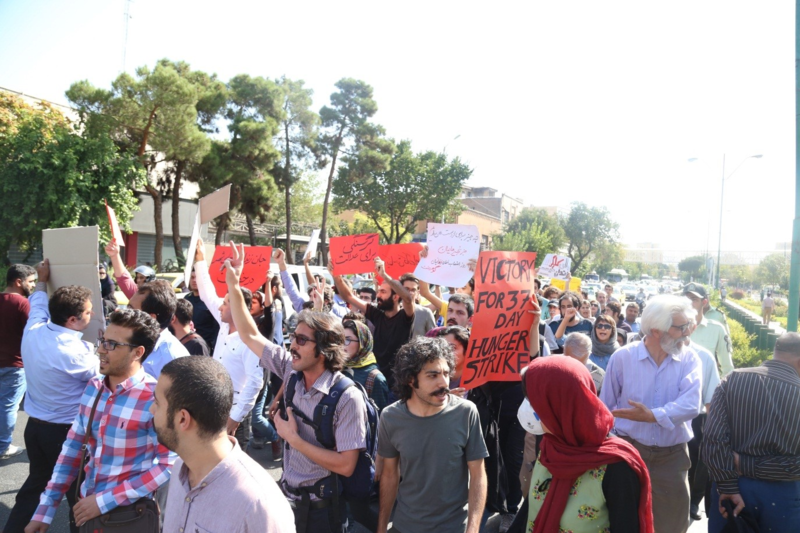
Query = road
x=14 y=471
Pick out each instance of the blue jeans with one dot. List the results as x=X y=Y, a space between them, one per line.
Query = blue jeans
x=262 y=428
x=12 y=388
x=775 y=505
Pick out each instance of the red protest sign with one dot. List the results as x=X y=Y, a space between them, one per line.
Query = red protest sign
x=499 y=344
x=116 y=234
x=354 y=254
x=254 y=273
x=400 y=258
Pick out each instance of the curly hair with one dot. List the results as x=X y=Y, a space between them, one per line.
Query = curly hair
x=412 y=357
x=328 y=337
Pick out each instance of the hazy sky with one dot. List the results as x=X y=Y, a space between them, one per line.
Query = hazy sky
x=554 y=102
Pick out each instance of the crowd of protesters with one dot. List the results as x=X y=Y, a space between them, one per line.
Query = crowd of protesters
x=625 y=420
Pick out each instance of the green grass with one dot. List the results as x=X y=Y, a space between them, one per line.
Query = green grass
x=779 y=314
x=744 y=355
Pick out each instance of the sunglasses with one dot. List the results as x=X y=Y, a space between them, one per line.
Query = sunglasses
x=300 y=339
x=683 y=327
x=604 y=326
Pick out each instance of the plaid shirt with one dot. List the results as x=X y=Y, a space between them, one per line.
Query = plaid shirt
x=125 y=461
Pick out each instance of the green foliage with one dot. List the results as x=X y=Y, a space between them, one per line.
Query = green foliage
x=779 y=312
x=736 y=294
x=588 y=230
x=774 y=270
x=414 y=188
x=532 y=237
x=737 y=274
x=530 y=216
x=306 y=202
x=744 y=354
x=361 y=224
x=694 y=266
x=56 y=175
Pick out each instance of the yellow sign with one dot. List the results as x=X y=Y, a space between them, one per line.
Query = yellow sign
x=574 y=284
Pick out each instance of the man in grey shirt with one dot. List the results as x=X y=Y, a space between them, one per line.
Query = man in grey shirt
x=423 y=317
x=438 y=436
x=191 y=404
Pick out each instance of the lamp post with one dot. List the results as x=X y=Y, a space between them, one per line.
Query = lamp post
x=722 y=202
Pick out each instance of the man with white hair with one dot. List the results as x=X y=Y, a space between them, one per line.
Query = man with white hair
x=653 y=390
x=579 y=346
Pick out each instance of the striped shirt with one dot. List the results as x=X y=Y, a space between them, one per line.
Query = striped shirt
x=755 y=413
x=349 y=420
x=125 y=460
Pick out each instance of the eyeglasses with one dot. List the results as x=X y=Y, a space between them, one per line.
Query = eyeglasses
x=110 y=346
x=347 y=341
x=604 y=326
x=300 y=339
x=683 y=327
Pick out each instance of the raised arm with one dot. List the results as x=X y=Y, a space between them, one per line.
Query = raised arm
x=408 y=300
x=309 y=275
x=204 y=284
x=245 y=325
x=436 y=303
x=121 y=275
x=346 y=292
x=288 y=281
x=534 y=337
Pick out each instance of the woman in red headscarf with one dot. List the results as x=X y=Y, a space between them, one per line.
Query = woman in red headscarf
x=584 y=480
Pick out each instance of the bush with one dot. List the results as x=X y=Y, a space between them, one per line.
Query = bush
x=744 y=354
x=737 y=294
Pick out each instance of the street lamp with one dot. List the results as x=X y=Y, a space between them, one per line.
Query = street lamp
x=722 y=201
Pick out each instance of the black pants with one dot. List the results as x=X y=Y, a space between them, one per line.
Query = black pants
x=43 y=443
x=512 y=443
x=320 y=520
x=699 y=482
x=244 y=432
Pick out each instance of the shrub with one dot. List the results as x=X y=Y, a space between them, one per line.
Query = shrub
x=737 y=294
x=744 y=354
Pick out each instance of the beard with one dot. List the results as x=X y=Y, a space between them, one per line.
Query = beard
x=672 y=346
x=167 y=437
x=385 y=305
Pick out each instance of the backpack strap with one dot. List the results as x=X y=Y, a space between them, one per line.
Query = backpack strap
x=370 y=383
x=288 y=396
x=85 y=447
x=323 y=413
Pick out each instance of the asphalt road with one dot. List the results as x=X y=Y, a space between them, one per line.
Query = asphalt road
x=14 y=471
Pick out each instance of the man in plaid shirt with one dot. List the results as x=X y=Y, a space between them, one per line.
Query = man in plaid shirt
x=125 y=460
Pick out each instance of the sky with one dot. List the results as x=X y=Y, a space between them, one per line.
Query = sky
x=551 y=102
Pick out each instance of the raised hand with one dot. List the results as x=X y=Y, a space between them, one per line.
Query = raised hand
x=199 y=251
x=233 y=266
x=112 y=249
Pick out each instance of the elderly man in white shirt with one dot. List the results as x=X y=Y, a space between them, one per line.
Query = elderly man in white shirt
x=240 y=362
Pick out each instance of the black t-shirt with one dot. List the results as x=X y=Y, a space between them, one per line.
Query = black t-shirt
x=204 y=322
x=195 y=344
x=390 y=335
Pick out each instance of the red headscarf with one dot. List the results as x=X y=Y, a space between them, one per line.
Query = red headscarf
x=562 y=393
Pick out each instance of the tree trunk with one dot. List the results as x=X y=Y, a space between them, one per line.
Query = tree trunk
x=158 y=205
x=287 y=180
x=176 y=221
x=323 y=233
x=223 y=225
x=251 y=229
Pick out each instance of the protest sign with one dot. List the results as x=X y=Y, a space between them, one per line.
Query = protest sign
x=555 y=266
x=354 y=254
x=116 y=234
x=187 y=269
x=400 y=259
x=311 y=249
x=560 y=284
x=215 y=204
x=499 y=344
x=254 y=272
x=450 y=248
x=73 y=257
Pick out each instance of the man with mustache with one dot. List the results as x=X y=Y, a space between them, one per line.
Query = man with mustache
x=653 y=390
x=392 y=321
x=438 y=436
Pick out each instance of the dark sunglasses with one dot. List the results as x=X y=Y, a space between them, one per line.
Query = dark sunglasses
x=300 y=339
x=604 y=326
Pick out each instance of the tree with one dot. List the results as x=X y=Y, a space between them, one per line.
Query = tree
x=774 y=270
x=414 y=187
x=606 y=257
x=346 y=129
x=547 y=223
x=152 y=115
x=296 y=139
x=54 y=174
x=693 y=266
x=587 y=230
x=532 y=237
x=306 y=203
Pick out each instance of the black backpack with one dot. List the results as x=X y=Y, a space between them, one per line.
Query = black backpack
x=360 y=483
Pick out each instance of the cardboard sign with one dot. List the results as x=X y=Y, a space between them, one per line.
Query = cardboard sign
x=555 y=266
x=354 y=254
x=311 y=249
x=187 y=269
x=560 y=284
x=116 y=234
x=215 y=204
x=254 y=273
x=400 y=258
x=499 y=344
x=73 y=261
x=450 y=247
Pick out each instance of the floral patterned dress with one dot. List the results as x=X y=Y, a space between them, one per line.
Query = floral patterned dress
x=586 y=510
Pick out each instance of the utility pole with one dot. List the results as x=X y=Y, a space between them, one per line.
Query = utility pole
x=794 y=269
x=125 y=42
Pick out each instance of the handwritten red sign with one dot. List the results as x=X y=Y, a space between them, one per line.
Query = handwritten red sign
x=499 y=344
x=254 y=273
x=354 y=254
x=400 y=258
x=116 y=234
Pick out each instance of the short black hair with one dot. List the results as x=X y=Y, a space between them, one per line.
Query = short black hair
x=248 y=297
x=18 y=271
x=571 y=296
x=203 y=387
x=412 y=357
x=408 y=276
x=159 y=300
x=615 y=307
x=465 y=300
x=461 y=334
x=370 y=291
x=67 y=302
x=184 y=311
x=145 y=328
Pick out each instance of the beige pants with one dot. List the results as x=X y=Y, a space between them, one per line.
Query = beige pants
x=668 y=468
